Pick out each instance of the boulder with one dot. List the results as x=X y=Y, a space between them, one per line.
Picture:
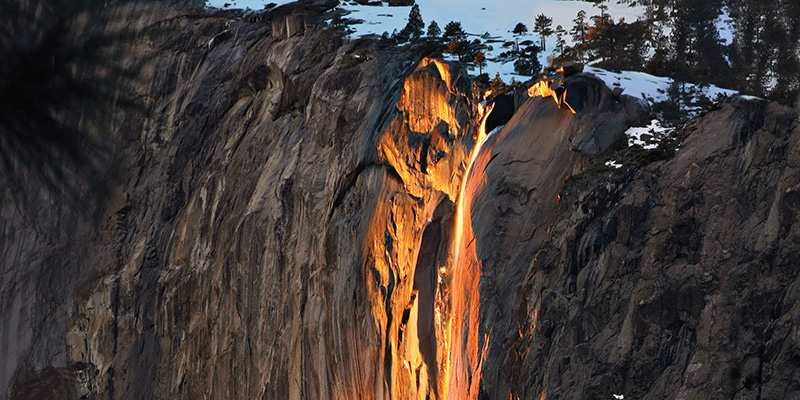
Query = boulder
x=571 y=68
x=603 y=115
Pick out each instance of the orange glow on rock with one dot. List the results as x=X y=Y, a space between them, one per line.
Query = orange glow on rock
x=461 y=371
x=543 y=89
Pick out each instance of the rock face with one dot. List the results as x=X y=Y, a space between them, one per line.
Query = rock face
x=673 y=277
x=284 y=219
x=264 y=233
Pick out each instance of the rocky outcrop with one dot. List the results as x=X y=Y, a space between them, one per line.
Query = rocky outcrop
x=672 y=277
x=264 y=231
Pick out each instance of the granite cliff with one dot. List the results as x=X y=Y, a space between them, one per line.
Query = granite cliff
x=293 y=215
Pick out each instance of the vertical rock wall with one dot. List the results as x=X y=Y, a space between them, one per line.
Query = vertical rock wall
x=281 y=222
x=672 y=277
x=264 y=232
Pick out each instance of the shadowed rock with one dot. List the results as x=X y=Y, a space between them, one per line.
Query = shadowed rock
x=571 y=68
x=603 y=116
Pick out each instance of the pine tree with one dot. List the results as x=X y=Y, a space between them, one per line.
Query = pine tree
x=520 y=29
x=453 y=29
x=601 y=4
x=415 y=25
x=480 y=61
x=433 y=30
x=498 y=86
x=464 y=49
x=560 y=42
x=527 y=62
x=542 y=26
x=579 y=31
x=698 y=50
x=602 y=36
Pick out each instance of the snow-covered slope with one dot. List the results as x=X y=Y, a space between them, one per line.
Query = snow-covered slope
x=477 y=17
x=650 y=88
x=498 y=18
x=254 y=5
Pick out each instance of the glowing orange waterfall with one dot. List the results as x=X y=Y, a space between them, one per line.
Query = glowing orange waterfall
x=458 y=318
x=460 y=376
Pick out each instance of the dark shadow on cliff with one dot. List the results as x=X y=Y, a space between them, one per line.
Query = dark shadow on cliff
x=63 y=84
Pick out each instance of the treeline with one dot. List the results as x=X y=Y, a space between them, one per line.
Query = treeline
x=680 y=39
x=675 y=38
x=453 y=40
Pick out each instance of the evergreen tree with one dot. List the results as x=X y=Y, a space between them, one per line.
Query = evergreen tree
x=698 y=50
x=542 y=26
x=497 y=85
x=480 y=61
x=400 y=37
x=601 y=4
x=527 y=62
x=560 y=41
x=453 y=29
x=415 y=25
x=520 y=29
x=787 y=65
x=434 y=30
x=602 y=37
x=622 y=45
x=579 y=31
x=464 y=49
x=455 y=47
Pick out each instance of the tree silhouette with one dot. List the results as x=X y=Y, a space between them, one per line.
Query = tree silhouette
x=560 y=41
x=497 y=85
x=579 y=31
x=434 y=30
x=542 y=26
x=453 y=29
x=480 y=61
x=415 y=25
x=527 y=62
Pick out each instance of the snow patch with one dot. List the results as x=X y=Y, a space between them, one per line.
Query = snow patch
x=378 y=19
x=255 y=5
x=613 y=163
x=651 y=88
x=648 y=137
x=751 y=98
x=619 y=396
x=724 y=25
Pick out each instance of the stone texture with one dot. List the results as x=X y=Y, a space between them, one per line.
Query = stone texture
x=281 y=228
x=673 y=277
x=262 y=237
